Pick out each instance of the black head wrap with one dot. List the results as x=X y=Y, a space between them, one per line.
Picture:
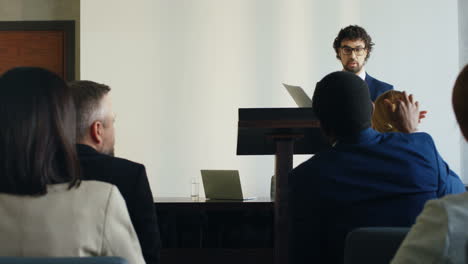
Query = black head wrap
x=342 y=103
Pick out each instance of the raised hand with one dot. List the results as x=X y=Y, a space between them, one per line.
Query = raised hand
x=405 y=113
x=422 y=115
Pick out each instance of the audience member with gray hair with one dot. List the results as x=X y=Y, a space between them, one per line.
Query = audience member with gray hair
x=95 y=138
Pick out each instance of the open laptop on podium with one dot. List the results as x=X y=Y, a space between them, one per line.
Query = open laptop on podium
x=222 y=185
x=299 y=96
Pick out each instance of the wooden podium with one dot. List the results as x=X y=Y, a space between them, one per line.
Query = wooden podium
x=282 y=132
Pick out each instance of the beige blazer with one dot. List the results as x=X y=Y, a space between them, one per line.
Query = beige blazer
x=91 y=220
x=440 y=233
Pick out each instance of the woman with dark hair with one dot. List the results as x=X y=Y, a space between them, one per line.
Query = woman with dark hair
x=46 y=210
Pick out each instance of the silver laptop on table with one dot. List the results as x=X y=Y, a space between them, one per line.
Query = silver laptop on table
x=222 y=185
x=299 y=96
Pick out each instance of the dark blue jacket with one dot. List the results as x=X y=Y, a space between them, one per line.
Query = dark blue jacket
x=376 y=87
x=376 y=179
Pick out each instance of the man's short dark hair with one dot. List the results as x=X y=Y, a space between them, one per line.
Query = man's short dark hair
x=87 y=96
x=37 y=132
x=341 y=103
x=353 y=32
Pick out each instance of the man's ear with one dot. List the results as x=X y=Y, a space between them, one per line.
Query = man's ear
x=96 y=131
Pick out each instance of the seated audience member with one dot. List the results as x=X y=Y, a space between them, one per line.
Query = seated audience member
x=365 y=178
x=383 y=117
x=46 y=210
x=95 y=137
x=441 y=233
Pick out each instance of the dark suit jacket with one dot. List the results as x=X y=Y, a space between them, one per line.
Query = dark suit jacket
x=375 y=179
x=376 y=87
x=132 y=182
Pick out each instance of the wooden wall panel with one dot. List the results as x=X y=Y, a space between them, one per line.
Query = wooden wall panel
x=32 y=48
x=46 y=44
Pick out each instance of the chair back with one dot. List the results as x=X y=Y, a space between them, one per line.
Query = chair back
x=62 y=260
x=373 y=244
x=466 y=252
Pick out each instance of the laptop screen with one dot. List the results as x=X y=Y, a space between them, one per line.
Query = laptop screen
x=299 y=96
x=222 y=184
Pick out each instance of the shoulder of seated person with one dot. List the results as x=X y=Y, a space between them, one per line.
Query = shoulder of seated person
x=86 y=188
x=117 y=162
x=125 y=161
x=455 y=199
x=85 y=184
x=409 y=136
x=93 y=185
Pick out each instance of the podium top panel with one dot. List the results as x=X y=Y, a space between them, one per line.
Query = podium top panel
x=277 y=118
x=275 y=114
x=259 y=128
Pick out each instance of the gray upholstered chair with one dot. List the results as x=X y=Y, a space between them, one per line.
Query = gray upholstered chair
x=62 y=260
x=373 y=244
x=466 y=252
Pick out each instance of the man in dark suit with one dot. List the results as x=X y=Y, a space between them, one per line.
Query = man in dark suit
x=95 y=137
x=353 y=47
x=365 y=178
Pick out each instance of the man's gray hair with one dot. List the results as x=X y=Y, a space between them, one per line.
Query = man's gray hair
x=88 y=96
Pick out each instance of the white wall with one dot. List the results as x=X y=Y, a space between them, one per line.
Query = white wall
x=180 y=69
x=463 y=60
